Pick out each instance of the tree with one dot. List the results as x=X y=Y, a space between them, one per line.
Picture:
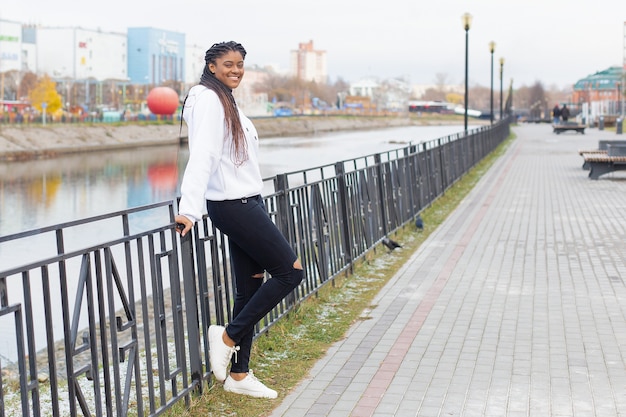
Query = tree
x=45 y=92
x=285 y=89
x=455 y=98
x=434 y=94
x=27 y=84
x=532 y=101
x=441 y=80
x=10 y=84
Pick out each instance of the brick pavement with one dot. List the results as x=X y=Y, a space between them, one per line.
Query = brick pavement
x=514 y=306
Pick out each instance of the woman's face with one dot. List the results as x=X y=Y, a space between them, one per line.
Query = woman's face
x=228 y=69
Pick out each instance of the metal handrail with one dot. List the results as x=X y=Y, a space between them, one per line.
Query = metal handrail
x=120 y=323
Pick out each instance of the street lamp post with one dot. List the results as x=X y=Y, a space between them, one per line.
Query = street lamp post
x=623 y=92
x=492 y=47
x=501 y=72
x=467 y=21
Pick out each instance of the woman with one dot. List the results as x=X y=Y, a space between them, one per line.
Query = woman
x=223 y=175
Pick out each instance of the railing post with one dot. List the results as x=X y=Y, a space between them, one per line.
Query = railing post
x=4 y=298
x=409 y=179
x=343 y=211
x=381 y=193
x=442 y=165
x=281 y=186
x=191 y=308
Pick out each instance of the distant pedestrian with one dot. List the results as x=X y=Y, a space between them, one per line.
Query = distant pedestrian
x=564 y=113
x=556 y=114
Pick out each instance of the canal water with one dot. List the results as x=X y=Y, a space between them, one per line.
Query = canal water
x=45 y=192
x=39 y=193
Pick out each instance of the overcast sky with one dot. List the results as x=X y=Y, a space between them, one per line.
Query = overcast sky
x=556 y=42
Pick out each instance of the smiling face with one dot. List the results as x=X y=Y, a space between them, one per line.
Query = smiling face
x=228 y=68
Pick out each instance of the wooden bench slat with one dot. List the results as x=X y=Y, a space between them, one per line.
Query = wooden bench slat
x=604 y=158
x=592 y=151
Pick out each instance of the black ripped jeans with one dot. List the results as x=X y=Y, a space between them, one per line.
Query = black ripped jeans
x=256 y=246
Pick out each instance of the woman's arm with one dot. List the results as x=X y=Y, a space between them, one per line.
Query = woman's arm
x=204 y=115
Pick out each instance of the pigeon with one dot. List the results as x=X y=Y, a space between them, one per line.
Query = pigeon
x=419 y=223
x=391 y=244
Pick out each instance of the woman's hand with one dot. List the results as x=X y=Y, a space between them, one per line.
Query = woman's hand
x=184 y=221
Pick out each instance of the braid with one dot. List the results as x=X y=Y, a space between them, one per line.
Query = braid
x=239 y=151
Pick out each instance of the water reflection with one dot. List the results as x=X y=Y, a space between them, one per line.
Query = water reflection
x=39 y=193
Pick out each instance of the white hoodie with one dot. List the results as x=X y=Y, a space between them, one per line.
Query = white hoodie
x=211 y=173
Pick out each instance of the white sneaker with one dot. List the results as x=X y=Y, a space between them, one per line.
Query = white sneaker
x=219 y=352
x=250 y=385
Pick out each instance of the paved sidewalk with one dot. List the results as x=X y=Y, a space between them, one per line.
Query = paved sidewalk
x=515 y=306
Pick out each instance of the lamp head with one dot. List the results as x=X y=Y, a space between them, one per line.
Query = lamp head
x=501 y=61
x=492 y=46
x=467 y=21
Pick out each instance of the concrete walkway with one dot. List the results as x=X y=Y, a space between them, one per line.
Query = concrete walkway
x=515 y=306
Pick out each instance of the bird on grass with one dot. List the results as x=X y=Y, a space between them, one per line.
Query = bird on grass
x=419 y=223
x=391 y=244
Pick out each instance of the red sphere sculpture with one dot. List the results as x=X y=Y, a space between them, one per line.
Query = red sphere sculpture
x=162 y=101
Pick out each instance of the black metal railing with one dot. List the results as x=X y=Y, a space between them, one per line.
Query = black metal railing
x=118 y=324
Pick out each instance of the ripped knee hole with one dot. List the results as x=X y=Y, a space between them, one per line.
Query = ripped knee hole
x=296 y=265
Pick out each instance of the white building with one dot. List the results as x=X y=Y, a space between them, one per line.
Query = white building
x=364 y=88
x=81 y=54
x=194 y=63
x=10 y=46
x=308 y=64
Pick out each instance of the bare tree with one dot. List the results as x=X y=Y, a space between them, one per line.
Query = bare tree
x=292 y=89
x=10 y=83
x=441 y=80
x=27 y=84
x=434 y=94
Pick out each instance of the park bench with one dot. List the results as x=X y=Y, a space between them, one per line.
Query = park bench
x=562 y=127
x=600 y=163
x=602 y=149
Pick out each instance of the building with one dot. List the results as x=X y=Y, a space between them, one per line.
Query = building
x=10 y=46
x=598 y=95
x=364 y=88
x=194 y=63
x=80 y=54
x=308 y=64
x=155 y=56
x=29 y=48
x=99 y=72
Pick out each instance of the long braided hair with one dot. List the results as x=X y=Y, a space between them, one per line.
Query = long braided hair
x=239 y=148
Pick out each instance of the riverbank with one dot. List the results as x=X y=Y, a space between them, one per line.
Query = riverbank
x=23 y=142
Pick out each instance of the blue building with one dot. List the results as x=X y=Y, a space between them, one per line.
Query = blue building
x=155 y=56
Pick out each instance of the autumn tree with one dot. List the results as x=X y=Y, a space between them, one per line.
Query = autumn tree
x=456 y=98
x=45 y=92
